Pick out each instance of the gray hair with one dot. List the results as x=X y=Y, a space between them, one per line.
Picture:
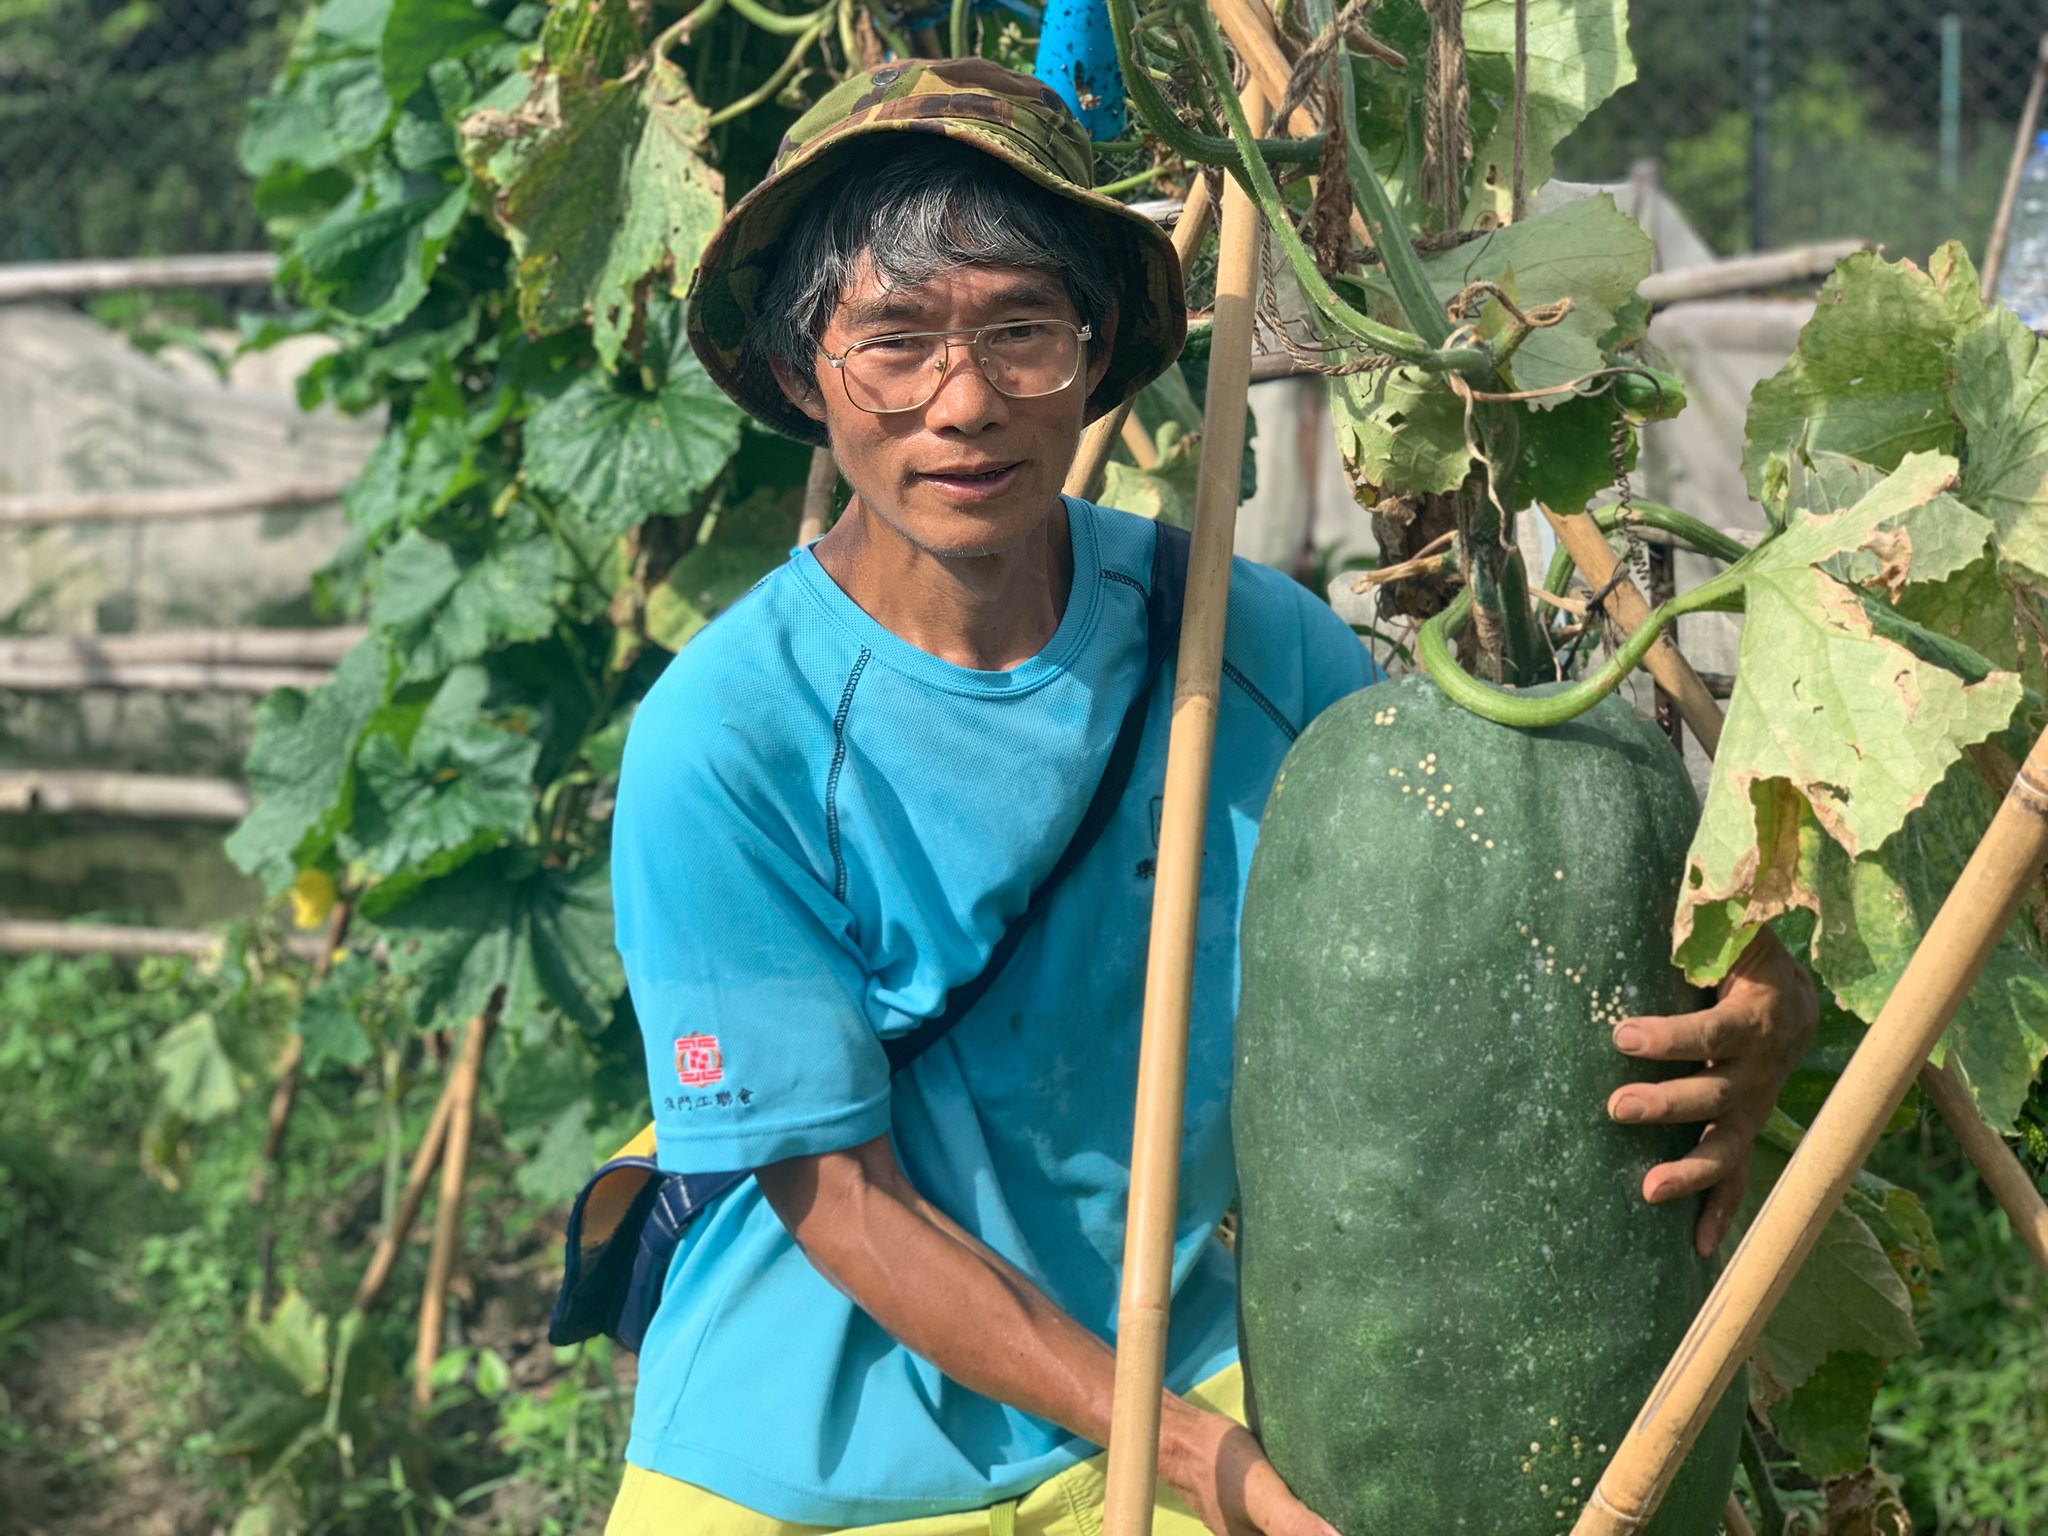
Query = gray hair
x=923 y=205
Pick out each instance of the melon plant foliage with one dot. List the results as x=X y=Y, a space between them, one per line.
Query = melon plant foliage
x=1892 y=666
x=492 y=210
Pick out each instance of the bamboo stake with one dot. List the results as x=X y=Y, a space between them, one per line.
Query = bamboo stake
x=1147 y=1292
x=286 y=1092
x=818 y=488
x=1995 y=1162
x=165 y=796
x=1084 y=477
x=1744 y=274
x=448 y=1214
x=1144 y=452
x=2022 y=145
x=1249 y=25
x=43 y=511
x=425 y=1159
x=1587 y=545
x=1951 y=955
x=1734 y=1521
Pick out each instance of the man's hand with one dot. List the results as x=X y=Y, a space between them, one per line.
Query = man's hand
x=1750 y=1040
x=1220 y=1473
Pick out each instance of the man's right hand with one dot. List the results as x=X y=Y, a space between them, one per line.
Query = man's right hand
x=1221 y=1473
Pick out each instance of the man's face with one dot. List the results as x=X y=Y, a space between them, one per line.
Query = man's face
x=971 y=471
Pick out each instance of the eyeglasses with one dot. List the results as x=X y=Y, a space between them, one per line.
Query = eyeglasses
x=1020 y=358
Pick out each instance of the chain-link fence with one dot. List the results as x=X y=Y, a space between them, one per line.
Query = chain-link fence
x=118 y=122
x=118 y=119
x=1781 y=121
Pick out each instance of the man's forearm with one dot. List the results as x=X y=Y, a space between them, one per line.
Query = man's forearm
x=945 y=1295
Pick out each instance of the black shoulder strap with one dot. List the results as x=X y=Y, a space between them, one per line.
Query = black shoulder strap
x=1163 y=600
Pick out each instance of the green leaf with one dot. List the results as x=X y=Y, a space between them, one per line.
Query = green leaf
x=1578 y=57
x=1825 y=1422
x=372 y=263
x=461 y=785
x=1828 y=722
x=563 y=1158
x=330 y=1019
x=1400 y=430
x=506 y=919
x=199 y=1080
x=1876 y=910
x=298 y=766
x=619 y=455
x=445 y=605
x=1845 y=1299
x=603 y=193
x=1166 y=491
x=1999 y=392
x=493 y=1375
x=421 y=33
x=1870 y=376
x=1587 y=251
x=734 y=550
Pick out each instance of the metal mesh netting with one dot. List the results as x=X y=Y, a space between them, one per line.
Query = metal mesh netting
x=118 y=124
x=118 y=119
x=1879 y=120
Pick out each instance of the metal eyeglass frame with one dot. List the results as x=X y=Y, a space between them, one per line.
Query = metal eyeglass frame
x=973 y=335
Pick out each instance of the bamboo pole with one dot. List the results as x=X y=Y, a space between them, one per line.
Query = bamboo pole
x=425 y=1159
x=46 y=511
x=448 y=1213
x=1084 y=476
x=77 y=674
x=2022 y=145
x=2000 y=1170
x=1734 y=1521
x=1147 y=1292
x=318 y=647
x=1587 y=545
x=282 y=1097
x=1249 y=25
x=169 y=797
x=1995 y=1162
x=818 y=487
x=66 y=279
x=1949 y=959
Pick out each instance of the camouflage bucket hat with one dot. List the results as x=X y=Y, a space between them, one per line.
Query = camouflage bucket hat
x=1013 y=117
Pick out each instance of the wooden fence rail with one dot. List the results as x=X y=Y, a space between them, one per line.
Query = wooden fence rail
x=320 y=647
x=46 y=510
x=68 y=279
x=171 y=797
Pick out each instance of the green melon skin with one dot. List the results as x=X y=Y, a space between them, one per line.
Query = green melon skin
x=1453 y=1298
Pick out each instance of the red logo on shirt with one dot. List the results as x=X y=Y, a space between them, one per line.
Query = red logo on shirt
x=698 y=1061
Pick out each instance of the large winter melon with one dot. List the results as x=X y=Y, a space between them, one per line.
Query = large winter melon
x=1454 y=1298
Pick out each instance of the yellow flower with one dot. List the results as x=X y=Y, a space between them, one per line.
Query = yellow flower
x=312 y=898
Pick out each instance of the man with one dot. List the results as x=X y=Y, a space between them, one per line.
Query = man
x=837 y=800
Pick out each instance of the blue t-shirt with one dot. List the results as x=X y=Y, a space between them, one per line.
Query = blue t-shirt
x=821 y=829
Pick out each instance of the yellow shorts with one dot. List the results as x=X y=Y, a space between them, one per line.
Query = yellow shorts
x=1069 y=1504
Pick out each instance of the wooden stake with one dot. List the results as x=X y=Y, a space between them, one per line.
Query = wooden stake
x=2008 y=1182
x=818 y=488
x=1147 y=1293
x=1951 y=956
x=462 y=1084
x=1996 y=1165
x=1587 y=546
x=1084 y=477
x=151 y=796
x=424 y=1161
x=2022 y=146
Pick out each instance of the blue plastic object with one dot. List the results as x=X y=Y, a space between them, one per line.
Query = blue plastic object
x=1077 y=58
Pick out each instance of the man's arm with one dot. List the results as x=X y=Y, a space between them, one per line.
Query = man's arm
x=955 y=1302
x=1748 y=1042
